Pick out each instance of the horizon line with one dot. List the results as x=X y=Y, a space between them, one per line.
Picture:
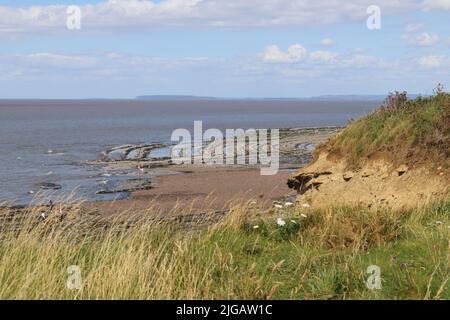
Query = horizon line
x=199 y=97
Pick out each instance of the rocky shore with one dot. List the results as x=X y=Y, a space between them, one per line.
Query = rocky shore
x=135 y=167
x=141 y=178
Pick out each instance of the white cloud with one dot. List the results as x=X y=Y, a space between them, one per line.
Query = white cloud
x=423 y=39
x=60 y=61
x=323 y=56
x=366 y=61
x=427 y=39
x=114 y=14
x=431 y=61
x=295 y=53
x=327 y=42
x=413 y=27
x=437 y=4
x=104 y=66
x=359 y=50
x=131 y=75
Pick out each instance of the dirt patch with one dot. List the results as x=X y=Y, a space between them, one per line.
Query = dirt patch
x=377 y=182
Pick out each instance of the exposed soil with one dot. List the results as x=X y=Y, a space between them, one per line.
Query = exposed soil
x=378 y=182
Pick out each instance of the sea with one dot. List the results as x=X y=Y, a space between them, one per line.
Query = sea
x=47 y=141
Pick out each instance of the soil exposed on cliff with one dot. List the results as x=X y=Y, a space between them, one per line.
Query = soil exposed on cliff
x=398 y=157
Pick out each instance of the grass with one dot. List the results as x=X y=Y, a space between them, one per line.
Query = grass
x=316 y=255
x=400 y=128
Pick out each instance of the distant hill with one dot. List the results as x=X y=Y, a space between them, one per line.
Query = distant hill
x=173 y=97
x=362 y=97
x=349 y=97
x=354 y=97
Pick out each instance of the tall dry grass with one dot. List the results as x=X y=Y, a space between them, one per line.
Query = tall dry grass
x=246 y=255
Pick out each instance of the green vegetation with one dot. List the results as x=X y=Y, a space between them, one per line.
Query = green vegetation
x=248 y=255
x=398 y=128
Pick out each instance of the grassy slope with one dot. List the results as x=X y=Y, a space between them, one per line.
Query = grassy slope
x=324 y=255
x=410 y=130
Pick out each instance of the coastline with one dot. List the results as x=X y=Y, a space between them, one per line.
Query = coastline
x=158 y=184
x=164 y=186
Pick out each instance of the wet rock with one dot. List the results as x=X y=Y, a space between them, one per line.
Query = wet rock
x=131 y=151
x=128 y=186
x=49 y=186
x=306 y=146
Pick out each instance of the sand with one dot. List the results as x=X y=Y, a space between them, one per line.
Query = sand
x=204 y=188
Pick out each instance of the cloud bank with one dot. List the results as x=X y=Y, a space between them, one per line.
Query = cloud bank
x=126 y=14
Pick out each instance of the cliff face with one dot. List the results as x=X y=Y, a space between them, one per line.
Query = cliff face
x=397 y=157
x=378 y=183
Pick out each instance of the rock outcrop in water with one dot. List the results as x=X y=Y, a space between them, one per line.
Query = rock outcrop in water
x=49 y=186
x=131 y=152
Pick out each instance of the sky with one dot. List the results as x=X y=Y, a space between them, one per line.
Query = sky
x=222 y=48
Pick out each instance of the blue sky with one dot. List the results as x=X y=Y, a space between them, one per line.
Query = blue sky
x=224 y=48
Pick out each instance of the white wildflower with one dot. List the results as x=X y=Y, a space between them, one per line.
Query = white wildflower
x=288 y=204
x=281 y=222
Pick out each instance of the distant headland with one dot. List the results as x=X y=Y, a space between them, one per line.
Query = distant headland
x=350 y=97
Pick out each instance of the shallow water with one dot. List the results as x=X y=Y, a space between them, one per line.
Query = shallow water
x=45 y=141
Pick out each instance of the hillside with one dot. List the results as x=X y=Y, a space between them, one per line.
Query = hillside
x=397 y=156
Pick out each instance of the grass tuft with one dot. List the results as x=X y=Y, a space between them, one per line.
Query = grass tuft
x=403 y=130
